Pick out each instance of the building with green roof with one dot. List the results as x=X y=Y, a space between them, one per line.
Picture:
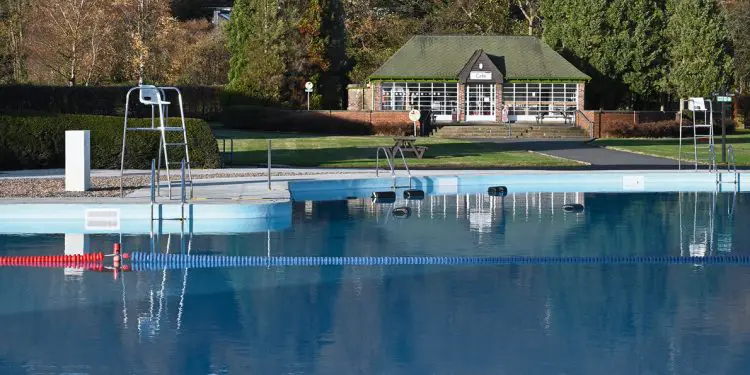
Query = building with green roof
x=463 y=78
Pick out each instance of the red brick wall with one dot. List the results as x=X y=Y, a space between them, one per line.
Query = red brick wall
x=376 y=118
x=603 y=120
x=461 y=102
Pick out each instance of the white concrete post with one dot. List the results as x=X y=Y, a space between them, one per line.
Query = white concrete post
x=77 y=160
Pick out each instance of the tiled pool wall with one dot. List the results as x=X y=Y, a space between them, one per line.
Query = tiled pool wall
x=244 y=218
x=600 y=182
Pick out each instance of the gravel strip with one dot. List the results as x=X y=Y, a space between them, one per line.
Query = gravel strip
x=104 y=186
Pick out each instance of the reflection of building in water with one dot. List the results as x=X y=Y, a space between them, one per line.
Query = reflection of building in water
x=481 y=211
x=701 y=213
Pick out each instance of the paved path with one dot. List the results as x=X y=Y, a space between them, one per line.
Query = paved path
x=580 y=150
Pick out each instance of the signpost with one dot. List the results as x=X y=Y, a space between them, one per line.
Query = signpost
x=308 y=90
x=724 y=98
x=414 y=116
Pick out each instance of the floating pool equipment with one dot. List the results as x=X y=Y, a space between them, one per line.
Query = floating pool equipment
x=413 y=194
x=384 y=196
x=497 y=191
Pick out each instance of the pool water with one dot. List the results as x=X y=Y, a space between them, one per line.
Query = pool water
x=405 y=319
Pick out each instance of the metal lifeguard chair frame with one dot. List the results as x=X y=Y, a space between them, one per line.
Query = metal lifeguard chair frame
x=702 y=128
x=155 y=97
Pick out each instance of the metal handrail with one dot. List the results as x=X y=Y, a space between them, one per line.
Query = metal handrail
x=398 y=148
x=712 y=165
x=731 y=163
x=590 y=122
x=386 y=152
x=390 y=156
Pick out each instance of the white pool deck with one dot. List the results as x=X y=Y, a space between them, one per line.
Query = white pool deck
x=255 y=190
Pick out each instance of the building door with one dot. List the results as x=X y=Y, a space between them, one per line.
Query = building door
x=480 y=102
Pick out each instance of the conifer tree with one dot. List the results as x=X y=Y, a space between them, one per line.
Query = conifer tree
x=699 y=61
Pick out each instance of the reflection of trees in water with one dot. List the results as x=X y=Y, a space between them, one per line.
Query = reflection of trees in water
x=519 y=319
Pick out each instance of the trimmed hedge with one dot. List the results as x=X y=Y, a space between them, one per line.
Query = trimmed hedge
x=204 y=102
x=259 y=118
x=659 y=129
x=247 y=117
x=38 y=141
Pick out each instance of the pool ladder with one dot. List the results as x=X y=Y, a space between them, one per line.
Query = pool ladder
x=390 y=157
x=183 y=190
x=731 y=168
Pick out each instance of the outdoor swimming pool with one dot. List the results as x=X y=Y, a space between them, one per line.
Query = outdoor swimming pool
x=647 y=317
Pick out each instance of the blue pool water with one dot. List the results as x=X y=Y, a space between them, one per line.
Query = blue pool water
x=405 y=319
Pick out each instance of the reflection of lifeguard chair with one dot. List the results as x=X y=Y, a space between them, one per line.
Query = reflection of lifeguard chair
x=155 y=97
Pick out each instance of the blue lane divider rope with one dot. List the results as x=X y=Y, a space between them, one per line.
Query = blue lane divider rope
x=149 y=261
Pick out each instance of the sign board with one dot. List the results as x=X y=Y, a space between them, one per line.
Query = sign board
x=480 y=75
x=414 y=115
x=308 y=90
x=726 y=99
x=309 y=85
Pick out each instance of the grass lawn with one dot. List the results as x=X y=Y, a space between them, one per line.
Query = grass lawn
x=669 y=147
x=359 y=151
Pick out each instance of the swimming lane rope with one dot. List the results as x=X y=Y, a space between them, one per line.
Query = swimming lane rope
x=141 y=261
x=153 y=261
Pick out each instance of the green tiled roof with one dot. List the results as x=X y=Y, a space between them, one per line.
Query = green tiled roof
x=443 y=57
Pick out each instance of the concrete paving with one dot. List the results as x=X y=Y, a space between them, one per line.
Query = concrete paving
x=248 y=189
x=581 y=150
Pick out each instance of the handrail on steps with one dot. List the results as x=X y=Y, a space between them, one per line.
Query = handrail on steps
x=590 y=123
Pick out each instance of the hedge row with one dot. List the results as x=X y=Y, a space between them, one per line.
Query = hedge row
x=204 y=102
x=258 y=118
x=38 y=141
x=659 y=129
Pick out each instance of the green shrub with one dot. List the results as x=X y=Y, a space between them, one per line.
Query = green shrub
x=261 y=118
x=38 y=141
x=659 y=129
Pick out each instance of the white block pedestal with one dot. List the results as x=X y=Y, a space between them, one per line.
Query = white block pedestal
x=77 y=160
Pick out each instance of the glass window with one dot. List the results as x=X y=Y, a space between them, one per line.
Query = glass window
x=531 y=99
x=440 y=97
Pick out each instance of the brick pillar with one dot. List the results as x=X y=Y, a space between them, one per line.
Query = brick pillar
x=356 y=98
x=581 y=92
x=378 y=95
x=461 y=102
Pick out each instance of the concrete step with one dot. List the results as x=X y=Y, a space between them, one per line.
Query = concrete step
x=517 y=131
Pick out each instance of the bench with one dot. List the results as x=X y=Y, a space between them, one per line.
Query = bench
x=407 y=145
x=553 y=114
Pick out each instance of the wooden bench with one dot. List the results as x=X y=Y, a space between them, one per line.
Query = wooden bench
x=407 y=144
x=553 y=114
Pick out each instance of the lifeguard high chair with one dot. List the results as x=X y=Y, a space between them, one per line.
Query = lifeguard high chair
x=155 y=97
x=701 y=130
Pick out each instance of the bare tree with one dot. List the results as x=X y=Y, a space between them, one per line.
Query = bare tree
x=13 y=23
x=66 y=37
x=530 y=10
x=148 y=24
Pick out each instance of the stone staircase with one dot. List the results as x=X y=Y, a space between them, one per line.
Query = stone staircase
x=516 y=131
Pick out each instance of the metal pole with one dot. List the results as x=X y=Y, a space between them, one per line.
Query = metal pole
x=269 y=164
x=308 y=100
x=723 y=135
x=153 y=190
x=415 y=128
x=182 y=191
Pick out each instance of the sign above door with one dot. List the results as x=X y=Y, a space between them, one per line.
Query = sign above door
x=480 y=75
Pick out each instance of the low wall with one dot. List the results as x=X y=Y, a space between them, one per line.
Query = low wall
x=601 y=121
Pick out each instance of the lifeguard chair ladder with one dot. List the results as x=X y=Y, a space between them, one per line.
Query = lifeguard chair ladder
x=702 y=129
x=154 y=97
